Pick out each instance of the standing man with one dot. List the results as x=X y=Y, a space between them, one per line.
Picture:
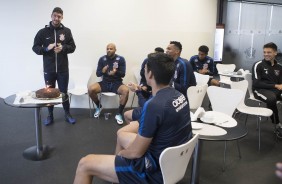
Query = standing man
x=267 y=82
x=204 y=64
x=165 y=122
x=183 y=76
x=54 y=42
x=111 y=68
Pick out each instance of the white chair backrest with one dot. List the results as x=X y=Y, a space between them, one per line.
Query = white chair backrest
x=243 y=86
x=174 y=161
x=78 y=77
x=224 y=100
x=93 y=78
x=201 y=79
x=248 y=77
x=137 y=76
x=196 y=95
x=225 y=68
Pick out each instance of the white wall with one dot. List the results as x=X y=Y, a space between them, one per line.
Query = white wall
x=135 y=26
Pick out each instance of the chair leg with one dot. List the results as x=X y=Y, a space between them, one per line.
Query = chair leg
x=258 y=123
x=132 y=100
x=100 y=104
x=224 y=155
x=90 y=107
x=238 y=147
x=246 y=119
x=70 y=97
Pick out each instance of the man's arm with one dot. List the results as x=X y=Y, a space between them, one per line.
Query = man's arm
x=69 y=46
x=137 y=149
x=38 y=44
x=257 y=81
x=121 y=68
x=211 y=67
x=99 y=70
x=192 y=62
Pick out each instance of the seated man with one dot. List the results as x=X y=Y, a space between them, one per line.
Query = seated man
x=203 y=64
x=267 y=83
x=165 y=122
x=184 y=76
x=143 y=92
x=111 y=68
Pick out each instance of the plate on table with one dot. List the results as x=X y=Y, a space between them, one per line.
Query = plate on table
x=208 y=117
x=196 y=126
x=34 y=96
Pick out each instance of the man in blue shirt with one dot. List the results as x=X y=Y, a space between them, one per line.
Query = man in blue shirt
x=111 y=68
x=183 y=76
x=165 y=122
x=143 y=91
x=204 y=64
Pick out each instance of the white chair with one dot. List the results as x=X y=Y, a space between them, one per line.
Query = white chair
x=225 y=68
x=174 y=161
x=225 y=100
x=93 y=79
x=248 y=77
x=196 y=95
x=78 y=82
x=256 y=111
x=201 y=79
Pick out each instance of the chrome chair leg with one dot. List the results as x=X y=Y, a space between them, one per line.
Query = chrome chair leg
x=224 y=155
x=90 y=107
x=238 y=147
x=246 y=119
x=258 y=123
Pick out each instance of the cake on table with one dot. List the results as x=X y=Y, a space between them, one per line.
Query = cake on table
x=47 y=93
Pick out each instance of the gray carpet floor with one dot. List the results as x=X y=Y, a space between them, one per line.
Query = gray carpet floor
x=69 y=143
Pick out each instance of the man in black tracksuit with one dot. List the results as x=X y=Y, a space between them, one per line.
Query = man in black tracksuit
x=267 y=82
x=54 y=42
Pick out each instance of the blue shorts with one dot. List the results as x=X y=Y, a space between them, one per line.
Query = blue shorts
x=134 y=171
x=136 y=113
x=110 y=86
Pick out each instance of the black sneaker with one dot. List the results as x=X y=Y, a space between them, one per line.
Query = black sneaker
x=278 y=132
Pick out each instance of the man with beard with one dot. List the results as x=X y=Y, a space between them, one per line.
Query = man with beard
x=111 y=68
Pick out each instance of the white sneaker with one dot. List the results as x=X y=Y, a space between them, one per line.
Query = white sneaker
x=97 y=112
x=279 y=125
x=118 y=117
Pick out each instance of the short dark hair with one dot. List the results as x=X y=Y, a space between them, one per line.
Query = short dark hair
x=177 y=44
x=162 y=67
x=58 y=10
x=204 y=49
x=271 y=45
x=159 y=49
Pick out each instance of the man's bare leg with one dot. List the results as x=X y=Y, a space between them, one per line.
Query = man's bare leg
x=102 y=166
x=93 y=90
x=123 y=92
x=126 y=135
x=128 y=116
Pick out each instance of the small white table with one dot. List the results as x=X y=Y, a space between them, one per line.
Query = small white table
x=222 y=128
x=39 y=151
x=231 y=74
